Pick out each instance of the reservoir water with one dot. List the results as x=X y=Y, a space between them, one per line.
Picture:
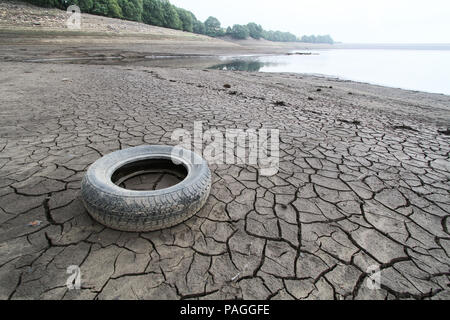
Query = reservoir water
x=421 y=70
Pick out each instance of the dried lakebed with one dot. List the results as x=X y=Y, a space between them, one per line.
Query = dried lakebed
x=363 y=181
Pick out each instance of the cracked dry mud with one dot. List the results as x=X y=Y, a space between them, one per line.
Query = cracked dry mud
x=363 y=180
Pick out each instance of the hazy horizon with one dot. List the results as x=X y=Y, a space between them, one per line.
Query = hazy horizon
x=349 y=21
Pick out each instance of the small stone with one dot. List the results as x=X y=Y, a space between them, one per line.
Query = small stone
x=35 y=223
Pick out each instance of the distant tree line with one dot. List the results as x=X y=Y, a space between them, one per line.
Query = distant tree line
x=317 y=39
x=255 y=31
x=163 y=14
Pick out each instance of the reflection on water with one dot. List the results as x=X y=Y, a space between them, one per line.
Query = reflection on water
x=240 y=65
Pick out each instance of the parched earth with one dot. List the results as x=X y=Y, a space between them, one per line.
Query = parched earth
x=363 y=182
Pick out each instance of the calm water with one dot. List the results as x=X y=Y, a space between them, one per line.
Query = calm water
x=422 y=70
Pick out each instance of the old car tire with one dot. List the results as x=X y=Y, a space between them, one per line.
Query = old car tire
x=143 y=211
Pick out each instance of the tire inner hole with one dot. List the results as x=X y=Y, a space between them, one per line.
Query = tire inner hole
x=148 y=175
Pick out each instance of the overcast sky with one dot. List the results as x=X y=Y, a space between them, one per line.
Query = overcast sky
x=350 y=21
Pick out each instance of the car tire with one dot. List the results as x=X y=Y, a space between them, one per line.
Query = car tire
x=144 y=211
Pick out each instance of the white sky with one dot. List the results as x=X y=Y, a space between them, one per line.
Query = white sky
x=350 y=21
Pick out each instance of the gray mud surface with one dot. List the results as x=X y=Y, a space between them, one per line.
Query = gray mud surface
x=364 y=180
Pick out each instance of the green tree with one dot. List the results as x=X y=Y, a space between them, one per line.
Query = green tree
x=212 y=27
x=199 y=27
x=324 y=39
x=171 y=18
x=187 y=19
x=279 y=36
x=131 y=9
x=240 y=32
x=153 y=13
x=85 y=5
x=308 y=39
x=255 y=30
x=108 y=8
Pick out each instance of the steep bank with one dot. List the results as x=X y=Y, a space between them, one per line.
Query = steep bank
x=27 y=31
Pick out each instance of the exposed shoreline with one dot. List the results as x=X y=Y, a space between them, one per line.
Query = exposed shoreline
x=363 y=180
x=362 y=176
x=432 y=108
